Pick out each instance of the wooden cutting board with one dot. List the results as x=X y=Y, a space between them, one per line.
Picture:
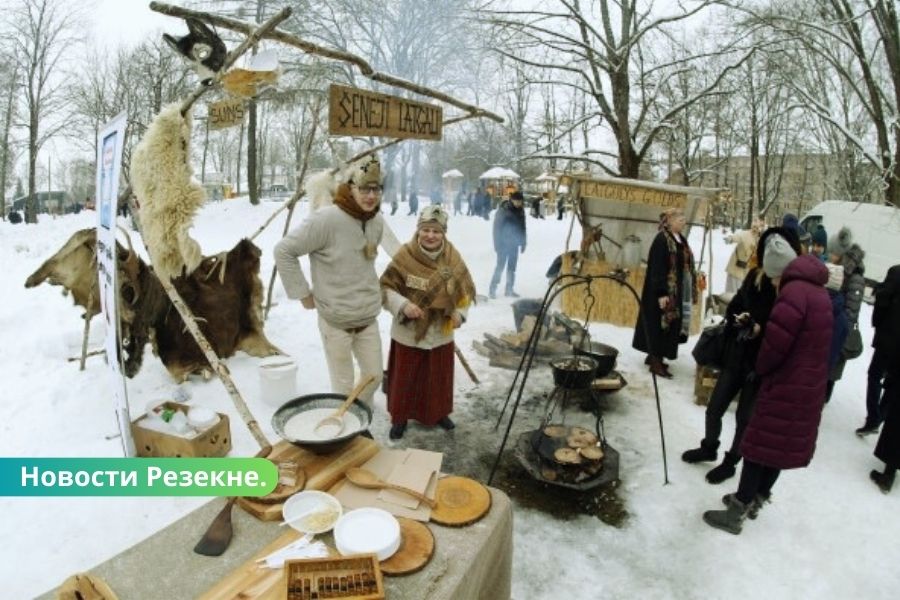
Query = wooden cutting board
x=416 y=549
x=322 y=470
x=460 y=501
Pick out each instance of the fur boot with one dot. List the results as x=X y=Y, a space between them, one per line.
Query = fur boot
x=731 y=519
x=725 y=470
x=753 y=510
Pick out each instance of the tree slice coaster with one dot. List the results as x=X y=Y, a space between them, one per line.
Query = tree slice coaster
x=85 y=586
x=282 y=492
x=555 y=431
x=416 y=549
x=460 y=501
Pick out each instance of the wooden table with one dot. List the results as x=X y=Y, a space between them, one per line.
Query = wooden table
x=470 y=562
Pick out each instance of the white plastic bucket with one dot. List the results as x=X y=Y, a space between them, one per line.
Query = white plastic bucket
x=277 y=380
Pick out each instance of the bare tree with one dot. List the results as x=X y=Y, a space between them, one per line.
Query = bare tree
x=9 y=73
x=606 y=48
x=866 y=32
x=43 y=31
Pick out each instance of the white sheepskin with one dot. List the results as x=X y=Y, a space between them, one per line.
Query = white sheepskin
x=169 y=196
x=320 y=189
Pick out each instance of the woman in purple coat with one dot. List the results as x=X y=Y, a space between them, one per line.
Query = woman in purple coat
x=793 y=367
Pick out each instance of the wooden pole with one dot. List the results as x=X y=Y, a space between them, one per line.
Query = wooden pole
x=289 y=39
x=465 y=364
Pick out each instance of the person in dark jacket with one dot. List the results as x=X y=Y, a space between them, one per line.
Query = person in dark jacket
x=886 y=348
x=670 y=290
x=509 y=240
x=413 y=202
x=886 y=318
x=747 y=314
x=793 y=366
x=842 y=251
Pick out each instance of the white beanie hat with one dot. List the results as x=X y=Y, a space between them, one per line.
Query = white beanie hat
x=778 y=253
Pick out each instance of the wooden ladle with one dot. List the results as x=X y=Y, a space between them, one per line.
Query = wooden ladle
x=332 y=425
x=368 y=479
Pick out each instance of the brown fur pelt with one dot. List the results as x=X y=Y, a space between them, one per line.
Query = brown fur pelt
x=224 y=293
x=163 y=183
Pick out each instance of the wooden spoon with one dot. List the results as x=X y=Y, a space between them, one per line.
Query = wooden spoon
x=332 y=425
x=368 y=479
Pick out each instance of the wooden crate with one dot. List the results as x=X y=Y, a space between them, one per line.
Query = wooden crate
x=613 y=302
x=704 y=382
x=214 y=442
x=356 y=577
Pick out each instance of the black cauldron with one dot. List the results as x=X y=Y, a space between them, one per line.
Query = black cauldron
x=333 y=401
x=574 y=372
x=603 y=354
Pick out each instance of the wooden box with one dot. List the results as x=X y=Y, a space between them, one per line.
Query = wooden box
x=214 y=442
x=356 y=577
x=704 y=382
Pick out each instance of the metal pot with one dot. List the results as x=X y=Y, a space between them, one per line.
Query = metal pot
x=574 y=372
x=306 y=403
x=603 y=354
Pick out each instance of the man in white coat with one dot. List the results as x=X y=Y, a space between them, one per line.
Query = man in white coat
x=341 y=241
x=745 y=248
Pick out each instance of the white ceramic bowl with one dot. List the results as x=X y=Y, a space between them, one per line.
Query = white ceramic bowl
x=324 y=510
x=366 y=530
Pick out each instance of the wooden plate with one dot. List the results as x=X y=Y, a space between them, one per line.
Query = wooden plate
x=283 y=492
x=84 y=586
x=460 y=501
x=416 y=549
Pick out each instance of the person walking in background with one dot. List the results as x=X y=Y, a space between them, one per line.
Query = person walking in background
x=560 y=207
x=745 y=242
x=886 y=343
x=342 y=241
x=428 y=290
x=792 y=365
x=887 y=334
x=748 y=312
x=844 y=252
x=413 y=202
x=670 y=290
x=509 y=239
x=457 y=202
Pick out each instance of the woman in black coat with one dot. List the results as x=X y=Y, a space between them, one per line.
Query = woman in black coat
x=668 y=295
x=886 y=318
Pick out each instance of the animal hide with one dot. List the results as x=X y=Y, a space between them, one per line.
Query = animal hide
x=169 y=197
x=224 y=293
x=321 y=189
x=202 y=47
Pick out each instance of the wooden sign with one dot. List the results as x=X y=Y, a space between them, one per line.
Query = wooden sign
x=226 y=113
x=352 y=111
x=631 y=194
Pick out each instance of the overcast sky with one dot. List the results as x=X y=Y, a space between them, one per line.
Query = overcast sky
x=127 y=22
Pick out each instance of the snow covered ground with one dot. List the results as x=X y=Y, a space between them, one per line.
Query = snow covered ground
x=828 y=534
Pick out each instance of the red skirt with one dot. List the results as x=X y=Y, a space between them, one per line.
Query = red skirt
x=420 y=383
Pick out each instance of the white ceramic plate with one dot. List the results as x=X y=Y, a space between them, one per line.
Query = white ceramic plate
x=366 y=530
x=323 y=511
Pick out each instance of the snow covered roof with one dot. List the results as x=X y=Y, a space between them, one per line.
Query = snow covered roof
x=452 y=173
x=545 y=177
x=499 y=173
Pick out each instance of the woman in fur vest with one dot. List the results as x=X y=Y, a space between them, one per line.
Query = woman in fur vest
x=843 y=251
x=428 y=290
x=793 y=368
x=668 y=295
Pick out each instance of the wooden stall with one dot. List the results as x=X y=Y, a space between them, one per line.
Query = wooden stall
x=619 y=219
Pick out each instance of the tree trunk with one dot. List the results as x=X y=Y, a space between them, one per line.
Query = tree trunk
x=239 y=152
x=3 y=167
x=205 y=150
x=253 y=188
x=31 y=205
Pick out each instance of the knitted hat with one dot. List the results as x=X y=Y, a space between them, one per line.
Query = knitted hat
x=835 y=277
x=840 y=243
x=433 y=214
x=790 y=221
x=820 y=237
x=517 y=195
x=778 y=254
x=366 y=173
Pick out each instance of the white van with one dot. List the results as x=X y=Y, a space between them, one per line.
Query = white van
x=876 y=228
